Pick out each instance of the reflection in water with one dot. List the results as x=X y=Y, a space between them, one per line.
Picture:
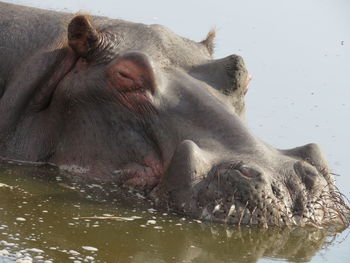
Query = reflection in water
x=45 y=220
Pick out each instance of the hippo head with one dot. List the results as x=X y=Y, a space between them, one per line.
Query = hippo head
x=143 y=108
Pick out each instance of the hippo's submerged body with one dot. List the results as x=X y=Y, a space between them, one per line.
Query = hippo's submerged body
x=142 y=107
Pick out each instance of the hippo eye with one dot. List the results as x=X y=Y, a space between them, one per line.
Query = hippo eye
x=121 y=74
x=247 y=171
x=131 y=73
x=124 y=81
x=131 y=80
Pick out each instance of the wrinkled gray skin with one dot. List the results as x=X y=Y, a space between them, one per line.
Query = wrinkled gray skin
x=141 y=107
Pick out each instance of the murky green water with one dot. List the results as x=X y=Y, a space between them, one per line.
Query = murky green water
x=44 y=220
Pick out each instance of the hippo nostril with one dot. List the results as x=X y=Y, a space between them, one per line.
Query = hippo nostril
x=311 y=154
x=247 y=171
x=125 y=80
x=307 y=173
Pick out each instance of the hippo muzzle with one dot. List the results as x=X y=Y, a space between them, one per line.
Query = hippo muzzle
x=296 y=189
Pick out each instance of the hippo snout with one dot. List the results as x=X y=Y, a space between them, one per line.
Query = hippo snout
x=237 y=191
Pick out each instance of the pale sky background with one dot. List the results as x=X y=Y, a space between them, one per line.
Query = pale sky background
x=298 y=52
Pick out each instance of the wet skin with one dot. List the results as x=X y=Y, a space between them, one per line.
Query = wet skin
x=143 y=108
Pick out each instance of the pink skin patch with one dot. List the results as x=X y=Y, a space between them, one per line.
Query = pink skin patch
x=140 y=176
x=132 y=81
x=128 y=75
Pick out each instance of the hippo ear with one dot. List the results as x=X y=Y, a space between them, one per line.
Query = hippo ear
x=208 y=42
x=82 y=36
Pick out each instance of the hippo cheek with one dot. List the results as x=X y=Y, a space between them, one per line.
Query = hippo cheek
x=139 y=177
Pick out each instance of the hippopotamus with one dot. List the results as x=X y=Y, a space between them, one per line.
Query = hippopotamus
x=139 y=107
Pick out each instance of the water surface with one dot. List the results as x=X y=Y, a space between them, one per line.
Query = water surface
x=47 y=220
